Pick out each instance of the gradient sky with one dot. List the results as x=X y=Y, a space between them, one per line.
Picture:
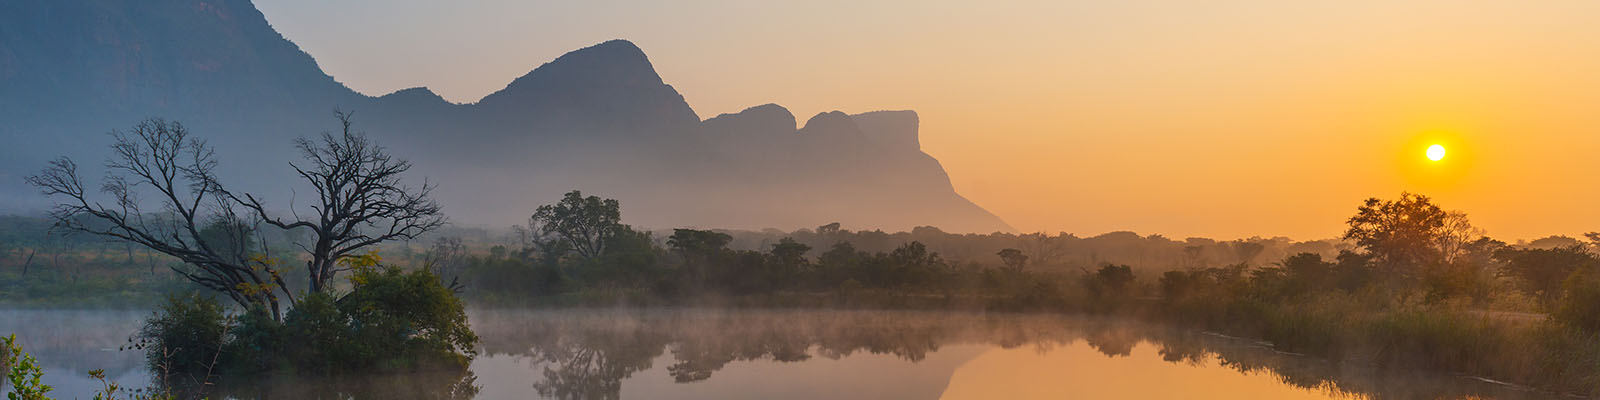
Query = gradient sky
x=1223 y=119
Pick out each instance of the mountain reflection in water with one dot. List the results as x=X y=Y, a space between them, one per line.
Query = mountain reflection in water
x=706 y=353
x=665 y=354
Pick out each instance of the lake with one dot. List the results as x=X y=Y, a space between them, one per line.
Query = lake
x=792 y=354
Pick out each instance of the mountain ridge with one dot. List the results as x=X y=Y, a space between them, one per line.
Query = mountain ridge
x=599 y=119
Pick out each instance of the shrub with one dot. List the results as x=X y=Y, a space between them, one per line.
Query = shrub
x=253 y=345
x=317 y=332
x=1109 y=288
x=1580 y=307
x=23 y=373
x=390 y=321
x=405 y=321
x=184 y=338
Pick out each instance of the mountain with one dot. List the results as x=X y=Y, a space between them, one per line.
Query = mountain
x=598 y=119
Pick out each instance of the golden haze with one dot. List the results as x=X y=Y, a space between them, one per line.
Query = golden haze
x=1230 y=119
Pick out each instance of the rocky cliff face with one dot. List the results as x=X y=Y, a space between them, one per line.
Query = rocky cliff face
x=598 y=119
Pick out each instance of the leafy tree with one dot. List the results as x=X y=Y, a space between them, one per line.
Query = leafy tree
x=790 y=253
x=1245 y=251
x=1542 y=272
x=583 y=223
x=701 y=249
x=1109 y=287
x=1400 y=233
x=183 y=341
x=1298 y=275
x=1580 y=307
x=404 y=321
x=1412 y=238
x=912 y=264
x=693 y=243
x=1013 y=258
x=836 y=265
x=841 y=254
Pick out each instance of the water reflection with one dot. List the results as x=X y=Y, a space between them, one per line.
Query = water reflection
x=69 y=343
x=696 y=354
x=598 y=353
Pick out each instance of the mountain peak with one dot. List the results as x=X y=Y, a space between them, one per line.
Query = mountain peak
x=893 y=129
x=831 y=123
x=763 y=119
x=610 y=64
x=610 y=87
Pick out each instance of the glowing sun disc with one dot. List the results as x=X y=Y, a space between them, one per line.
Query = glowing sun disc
x=1436 y=152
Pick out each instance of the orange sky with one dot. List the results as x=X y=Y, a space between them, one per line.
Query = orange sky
x=1221 y=119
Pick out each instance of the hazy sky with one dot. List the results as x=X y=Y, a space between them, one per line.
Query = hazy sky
x=1222 y=119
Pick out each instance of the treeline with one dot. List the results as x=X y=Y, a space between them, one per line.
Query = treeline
x=1418 y=287
x=577 y=251
x=1424 y=290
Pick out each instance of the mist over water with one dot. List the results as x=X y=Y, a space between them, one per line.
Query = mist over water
x=778 y=354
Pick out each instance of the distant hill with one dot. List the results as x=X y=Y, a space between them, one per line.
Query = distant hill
x=598 y=119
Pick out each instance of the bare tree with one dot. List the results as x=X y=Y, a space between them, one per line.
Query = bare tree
x=361 y=200
x=197 y=223
x=446 y=259
x=1044 y=249
x=1456 y=236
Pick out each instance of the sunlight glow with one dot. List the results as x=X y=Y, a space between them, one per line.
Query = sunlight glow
x=1436 y=152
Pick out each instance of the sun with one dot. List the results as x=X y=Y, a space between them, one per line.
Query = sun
x=1436 y=152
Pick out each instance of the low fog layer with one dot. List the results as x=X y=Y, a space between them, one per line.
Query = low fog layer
x=598 y=119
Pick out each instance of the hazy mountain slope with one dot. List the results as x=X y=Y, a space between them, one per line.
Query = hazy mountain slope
x=597 y=119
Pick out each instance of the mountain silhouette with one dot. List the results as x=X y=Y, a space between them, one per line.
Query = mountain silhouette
x=598 y=119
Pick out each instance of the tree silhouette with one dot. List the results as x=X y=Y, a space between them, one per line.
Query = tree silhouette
x=584 y=223
x=1403 y=234
x=1013 y=258
x=1542 y=272
x=361 y=200
x=198 y=223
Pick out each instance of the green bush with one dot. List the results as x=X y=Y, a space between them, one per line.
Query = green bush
x=405 y=321
x=253 y=344
x=390 y=321
x=22 y=372
x=1580 y=307
x=184 y=338
x=318 y=332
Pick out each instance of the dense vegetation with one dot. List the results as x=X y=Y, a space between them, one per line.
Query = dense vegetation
x=391 y=321
x=1419 y=287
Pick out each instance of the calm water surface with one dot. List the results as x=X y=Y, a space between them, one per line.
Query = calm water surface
x=704 y=354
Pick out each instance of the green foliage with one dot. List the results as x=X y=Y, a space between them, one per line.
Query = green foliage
x=405 y=321
x=1580 y=307
x=23 y=373
x=1543 y=272
x=111 y=390
x=391 y=321
x=254 y=343
x=1110 y=287
x=1401 y=233
x=583 y=224
x=184 y=338
x=314 y=333
x=1013 y=258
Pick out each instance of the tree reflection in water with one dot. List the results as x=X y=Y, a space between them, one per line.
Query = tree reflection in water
x=423 y=385
x=588 y=353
